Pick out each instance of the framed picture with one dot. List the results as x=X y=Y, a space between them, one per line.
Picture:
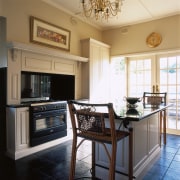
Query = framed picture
x=42 y=32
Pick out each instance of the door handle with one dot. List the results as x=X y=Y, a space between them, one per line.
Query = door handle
x=157 y=88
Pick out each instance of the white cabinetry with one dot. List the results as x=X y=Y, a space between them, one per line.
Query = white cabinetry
x=17 y=130
x=95 y=74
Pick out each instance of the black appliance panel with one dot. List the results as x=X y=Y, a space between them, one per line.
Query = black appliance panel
x=47 y=122
x=62 y=87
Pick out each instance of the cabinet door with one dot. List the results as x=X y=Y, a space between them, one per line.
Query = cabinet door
x=22 y=128
x=95 y=74
x=99 y=72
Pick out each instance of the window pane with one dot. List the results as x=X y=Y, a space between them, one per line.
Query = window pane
x=147 y=75
x=171 y=62
x=172 y=76
x=132 y=65
x=163 y=63
x=147 y=64
x=118 y=81
x=163 y=76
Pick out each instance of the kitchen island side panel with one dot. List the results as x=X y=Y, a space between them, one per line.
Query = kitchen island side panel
x=146 y=146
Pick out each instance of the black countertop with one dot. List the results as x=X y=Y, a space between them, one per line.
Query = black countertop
x=138 y=113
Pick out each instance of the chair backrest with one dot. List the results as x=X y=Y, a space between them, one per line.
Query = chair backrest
x=89 y=119
x=154 y=99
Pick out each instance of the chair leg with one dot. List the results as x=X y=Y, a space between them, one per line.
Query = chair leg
x=93 y=159
x=73 y=159
x=131 y=154
x=164 y=126
x=160 y=127
x=113 y=161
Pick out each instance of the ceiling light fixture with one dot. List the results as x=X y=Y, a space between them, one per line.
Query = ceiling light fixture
x=101 y=9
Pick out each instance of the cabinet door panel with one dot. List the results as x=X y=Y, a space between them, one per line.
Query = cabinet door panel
x=14 y=77
x=154 y=139
x=22 y=128
x=140 y=142
x=65 y=66
x=36 y=62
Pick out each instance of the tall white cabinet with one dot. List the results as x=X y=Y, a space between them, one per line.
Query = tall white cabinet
x=95 y=73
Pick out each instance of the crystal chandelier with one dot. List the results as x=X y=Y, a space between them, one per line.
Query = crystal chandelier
x=101 y=9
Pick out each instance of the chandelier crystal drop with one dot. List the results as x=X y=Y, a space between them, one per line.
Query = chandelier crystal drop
x=101 y=9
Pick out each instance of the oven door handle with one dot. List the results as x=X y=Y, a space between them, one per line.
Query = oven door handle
x=37 y=115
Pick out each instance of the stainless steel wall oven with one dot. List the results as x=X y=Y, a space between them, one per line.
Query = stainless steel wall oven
x=48 y=121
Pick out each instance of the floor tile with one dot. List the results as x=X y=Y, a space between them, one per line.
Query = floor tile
x=175 y=165
x=152 y=176
x=158 y=170
x=172 y=175
x=177 y=157
x=163 y=162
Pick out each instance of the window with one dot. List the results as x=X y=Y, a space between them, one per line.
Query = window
x=118 y=80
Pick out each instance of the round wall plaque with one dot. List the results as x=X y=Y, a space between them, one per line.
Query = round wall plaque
x=153 y=40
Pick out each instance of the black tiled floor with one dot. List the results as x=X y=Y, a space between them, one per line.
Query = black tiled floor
x=53 y=163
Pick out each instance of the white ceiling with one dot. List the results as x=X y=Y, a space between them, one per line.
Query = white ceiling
x=132 y=11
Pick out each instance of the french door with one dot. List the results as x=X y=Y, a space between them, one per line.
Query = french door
x=168 y=78
x=159 y=73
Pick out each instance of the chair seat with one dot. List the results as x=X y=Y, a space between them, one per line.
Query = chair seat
x=104 y=138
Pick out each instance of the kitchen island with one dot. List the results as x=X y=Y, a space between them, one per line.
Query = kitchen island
x=145 y=122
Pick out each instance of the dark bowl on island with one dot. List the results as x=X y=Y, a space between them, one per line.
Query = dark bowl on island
x=132 y=100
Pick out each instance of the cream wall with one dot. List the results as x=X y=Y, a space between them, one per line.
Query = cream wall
x=17 y=13
x=1 y=7
x=132 y=39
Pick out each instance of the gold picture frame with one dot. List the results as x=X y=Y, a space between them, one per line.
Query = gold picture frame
x=45 y=33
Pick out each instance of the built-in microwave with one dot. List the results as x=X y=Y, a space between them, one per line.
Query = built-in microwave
x=35 y=86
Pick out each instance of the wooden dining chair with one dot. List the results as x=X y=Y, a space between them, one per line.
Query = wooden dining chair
x=88 y=123
x=154 y=100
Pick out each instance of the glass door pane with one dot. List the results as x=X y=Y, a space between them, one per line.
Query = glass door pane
x=140 y=76
x=169 y=81
x=118 y=81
